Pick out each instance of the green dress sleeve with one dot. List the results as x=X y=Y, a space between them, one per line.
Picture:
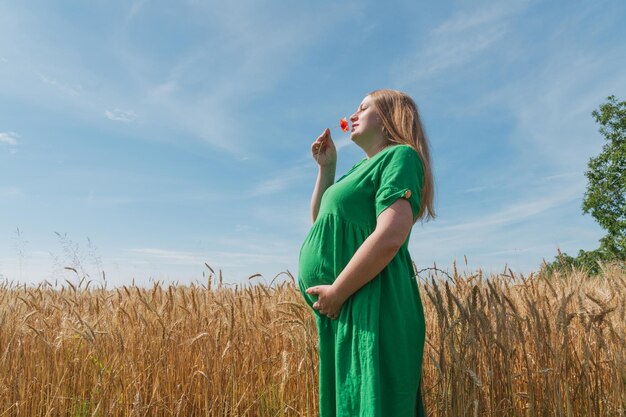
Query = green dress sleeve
x=401 y=176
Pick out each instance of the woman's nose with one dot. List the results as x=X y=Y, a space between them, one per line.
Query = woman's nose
x=353 y=117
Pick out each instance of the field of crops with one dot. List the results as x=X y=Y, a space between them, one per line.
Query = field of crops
x=499 y=345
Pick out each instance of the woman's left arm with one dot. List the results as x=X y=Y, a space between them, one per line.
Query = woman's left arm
x=392 y=228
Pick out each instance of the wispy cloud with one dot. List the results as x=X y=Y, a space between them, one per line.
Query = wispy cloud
x=456 y=41
x=448 y=53
x=515 y=212
x=475 y=189
x=259 y=48
x=68 y=89
x=135 y=9
x=281 y=181
x=170 y=256
x=118 y=115
x=519 y=250
x=343 y=142
x=549 y=137
x=221 y=259
x=241 y=228
x=10 y=191
x=100 y=200
x=525 y=229
x=551 y=106
x=217 y=88
x=480 y=17
x=10 y=138
x=200 y=86
x=286 y=178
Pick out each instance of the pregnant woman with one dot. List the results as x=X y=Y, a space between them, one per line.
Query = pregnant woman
x=355 y=270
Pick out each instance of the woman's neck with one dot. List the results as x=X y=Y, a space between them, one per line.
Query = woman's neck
x=379 y=147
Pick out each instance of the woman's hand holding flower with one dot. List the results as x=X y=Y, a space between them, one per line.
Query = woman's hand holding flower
x=324 y=150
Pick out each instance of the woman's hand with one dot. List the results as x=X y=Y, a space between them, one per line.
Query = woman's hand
x=323 y=150
x=328 y=302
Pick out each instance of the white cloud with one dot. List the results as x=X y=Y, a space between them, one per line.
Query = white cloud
x=170 y=256
x=302 y=170
x=547 y=111
x=258 y=48
x=456 y=42
x=521 y=232
x=101 y=200
x=478 y=18
x=221 y=259
x=9 y=138
x=281 y=181
x=518 y=250
x=241 y=227
x=343 y=142
x=71 y=90
x=239 y=52
x=561 y=176
x=291 y=216
x=516 y=212
x=135 y=9
x=118 y=115
x=272 y=186
x=11 y=191
x=475 y=189
x=163 y=90
x=551 y=107
x=448 y=53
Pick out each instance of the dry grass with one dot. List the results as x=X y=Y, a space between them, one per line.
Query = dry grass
x=502 y=345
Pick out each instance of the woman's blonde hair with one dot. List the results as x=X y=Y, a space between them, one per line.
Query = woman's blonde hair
x=402 y=125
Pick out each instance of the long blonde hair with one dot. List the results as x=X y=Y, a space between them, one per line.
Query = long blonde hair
x=402 y=125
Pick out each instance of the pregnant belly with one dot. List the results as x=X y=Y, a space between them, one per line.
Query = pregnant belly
x=315 y=264
x=313 y=268
x=310 y=271
x=326 y=250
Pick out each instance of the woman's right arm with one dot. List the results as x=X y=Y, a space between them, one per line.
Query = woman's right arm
x=325 y=178
x=325 y=154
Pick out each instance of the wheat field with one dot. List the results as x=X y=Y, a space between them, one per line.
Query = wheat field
x=498 y=345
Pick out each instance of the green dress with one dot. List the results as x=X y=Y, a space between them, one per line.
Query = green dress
x=371 y=355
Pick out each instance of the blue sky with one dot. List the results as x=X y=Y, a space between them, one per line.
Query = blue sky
x=146 y=138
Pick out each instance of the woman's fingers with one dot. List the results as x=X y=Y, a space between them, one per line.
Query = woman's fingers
x=325 y=312
x=321 y=138
x=323 y=149
x=325 y=134
x=320 y=142
x=312 y=290
x=327 y=138
x=321 y=305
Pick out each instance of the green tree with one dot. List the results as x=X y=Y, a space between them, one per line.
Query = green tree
x=605 y=198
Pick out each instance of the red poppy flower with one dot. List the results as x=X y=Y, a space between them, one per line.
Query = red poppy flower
x=343 y=123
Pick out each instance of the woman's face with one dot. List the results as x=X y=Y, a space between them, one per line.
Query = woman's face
x=365 y=121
